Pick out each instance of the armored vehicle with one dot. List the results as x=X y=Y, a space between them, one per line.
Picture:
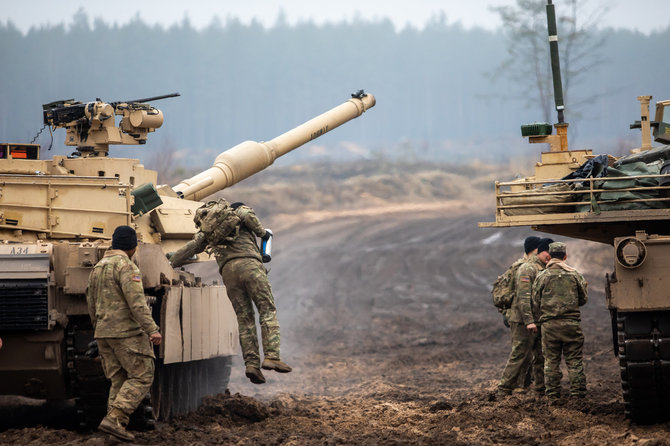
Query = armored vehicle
x=56 y=220
x=621 y=201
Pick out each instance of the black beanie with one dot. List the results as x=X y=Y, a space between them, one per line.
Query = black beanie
x=531 y=243
x=124 y=238
x=544 y=245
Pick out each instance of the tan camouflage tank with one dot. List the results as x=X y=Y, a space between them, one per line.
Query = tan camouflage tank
x=620 y=201
x=57 y=217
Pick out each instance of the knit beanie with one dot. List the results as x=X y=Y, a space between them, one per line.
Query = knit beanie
x=124 y=238
x=544 y=245
x=531 y=243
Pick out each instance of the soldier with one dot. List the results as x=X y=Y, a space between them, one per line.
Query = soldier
x=526 y=345
x=240 y=264
x=558 y=292
x=124 y=330
x=529 y=248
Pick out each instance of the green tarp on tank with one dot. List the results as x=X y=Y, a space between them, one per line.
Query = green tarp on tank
x=615 y=197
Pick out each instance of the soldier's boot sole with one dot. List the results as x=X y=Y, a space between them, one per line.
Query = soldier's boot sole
x=276 y=365
x=255 y=375
x=110 y=427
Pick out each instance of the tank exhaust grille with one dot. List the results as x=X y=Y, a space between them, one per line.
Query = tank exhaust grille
x=24 y=304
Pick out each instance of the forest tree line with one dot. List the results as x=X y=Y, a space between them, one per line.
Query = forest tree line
x=438 y=93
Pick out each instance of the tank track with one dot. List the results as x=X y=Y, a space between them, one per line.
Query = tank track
x=643 y=340
x=90 y=386
x=87 y=381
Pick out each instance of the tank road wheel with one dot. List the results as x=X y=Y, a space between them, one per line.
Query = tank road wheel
x=644 y=359
x=143 y=418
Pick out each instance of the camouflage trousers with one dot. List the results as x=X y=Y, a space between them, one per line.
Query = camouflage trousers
x=526 y=352
x=129 y=365
x=247 y=285
x=563 y=336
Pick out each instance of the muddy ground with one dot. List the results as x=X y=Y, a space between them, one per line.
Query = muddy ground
x=386 y=318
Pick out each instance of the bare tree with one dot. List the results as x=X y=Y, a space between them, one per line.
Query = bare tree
x=528 y=63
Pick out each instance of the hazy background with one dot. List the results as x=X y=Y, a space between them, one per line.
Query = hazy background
x=256 y=69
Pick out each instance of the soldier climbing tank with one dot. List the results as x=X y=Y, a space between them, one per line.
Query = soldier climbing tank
x=621 y=201
x=57 y=217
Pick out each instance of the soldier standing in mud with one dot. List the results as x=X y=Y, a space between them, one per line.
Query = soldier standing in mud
x=124 y=330
x=240 y=264
x=558 y=292
x=526 y=344
x=517 y=331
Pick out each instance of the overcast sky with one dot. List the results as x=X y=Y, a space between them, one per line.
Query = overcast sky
x=641 y=15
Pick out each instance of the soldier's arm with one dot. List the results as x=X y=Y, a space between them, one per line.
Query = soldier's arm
x=249 y=219
x=195 y=246
x=131 y=284
x=582 y=296
x=524 y=283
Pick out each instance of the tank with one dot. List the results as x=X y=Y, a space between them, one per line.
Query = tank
x=620 y=201
x=57 y=217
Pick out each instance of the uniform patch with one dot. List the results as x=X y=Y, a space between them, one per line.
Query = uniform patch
x=524 y=279
x=136 y=278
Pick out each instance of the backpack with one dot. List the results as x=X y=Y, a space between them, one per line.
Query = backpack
x=504 y=288
x=218 y=221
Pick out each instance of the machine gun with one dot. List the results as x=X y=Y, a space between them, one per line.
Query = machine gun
x=92 y=128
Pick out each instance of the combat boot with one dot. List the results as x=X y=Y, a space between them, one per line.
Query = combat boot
x=502 y=393
x=255 y=375
x=276 y=365
x=111 y=424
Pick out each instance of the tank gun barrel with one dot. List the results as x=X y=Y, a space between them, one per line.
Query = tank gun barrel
x=250 y=157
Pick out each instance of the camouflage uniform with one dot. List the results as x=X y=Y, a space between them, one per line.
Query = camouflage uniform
x=247 y=284
x=558 y=292
x=122 y=323
x=526 y=347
